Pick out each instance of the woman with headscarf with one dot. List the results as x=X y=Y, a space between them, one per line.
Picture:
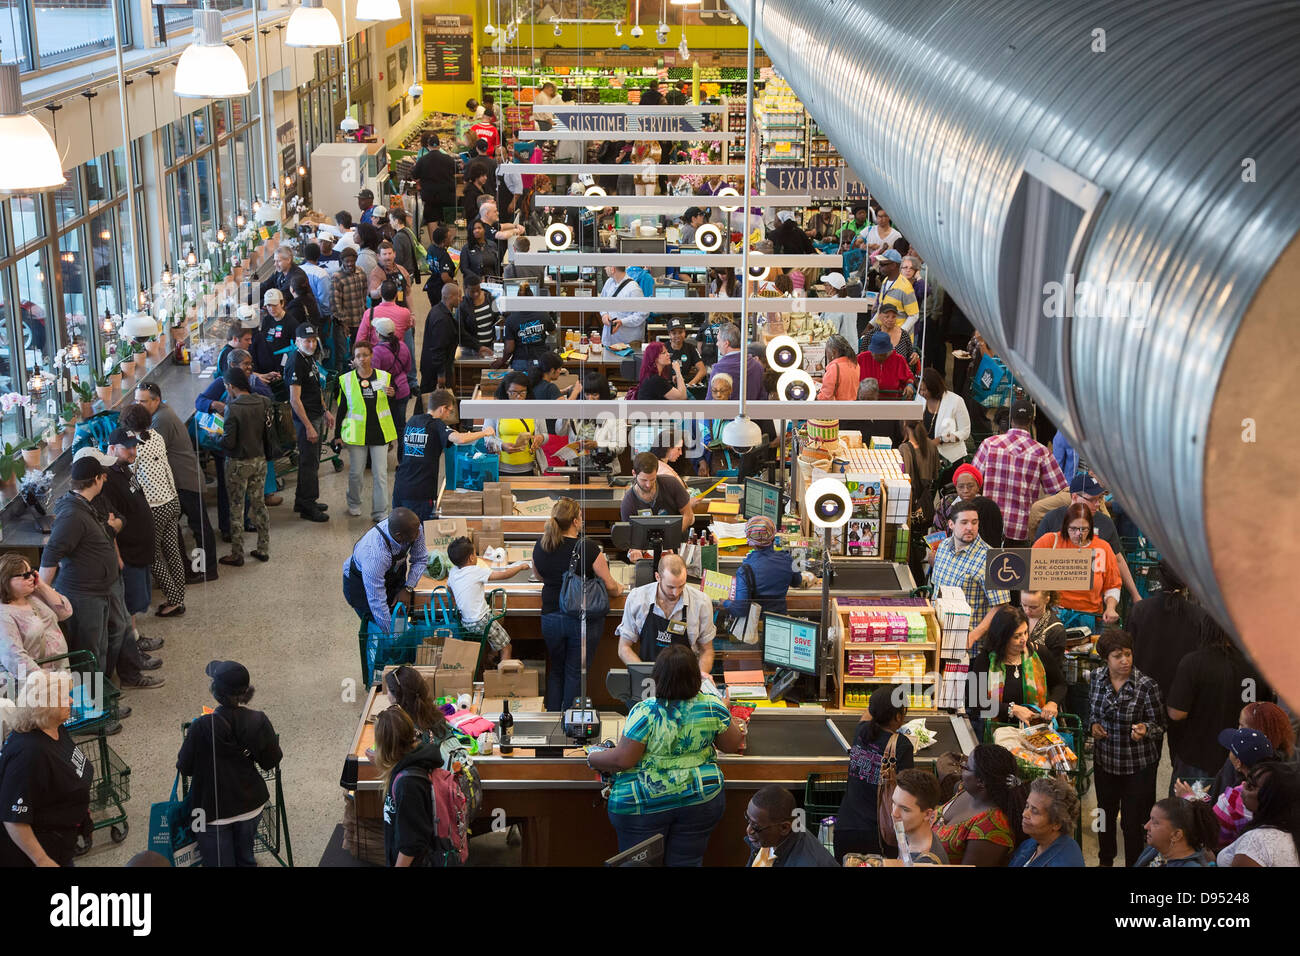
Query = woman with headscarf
x=968 y=482
x=766 y=575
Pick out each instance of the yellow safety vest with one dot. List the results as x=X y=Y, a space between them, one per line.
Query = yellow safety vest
x=510 y=430
x=354 y=425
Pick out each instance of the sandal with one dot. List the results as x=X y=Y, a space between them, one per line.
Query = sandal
x=176 y=611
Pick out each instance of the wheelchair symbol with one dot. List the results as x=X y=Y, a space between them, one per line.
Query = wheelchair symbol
x=1010 y=569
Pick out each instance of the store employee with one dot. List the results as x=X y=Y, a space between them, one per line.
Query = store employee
x=653 y=494
x=649 y=610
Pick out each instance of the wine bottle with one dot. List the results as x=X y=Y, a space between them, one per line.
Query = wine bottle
x=505 y=727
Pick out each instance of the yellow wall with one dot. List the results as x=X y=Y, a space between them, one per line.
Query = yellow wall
x=601 y=37
x=448 y=97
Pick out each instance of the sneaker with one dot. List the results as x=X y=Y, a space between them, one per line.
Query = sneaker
x=231 y=560
x=195 y=578
x=148 y=663
x=314 y=506
x=273 y=500
x=145 y=682
x=114 y=728
x=354 y=511
x=123 y=711
x=149 y=644
x=315 y=515
x=260 y=555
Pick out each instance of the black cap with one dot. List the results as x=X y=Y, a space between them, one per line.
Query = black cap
x=691 y=213
x=1021 y=411
x=120 y=436
x=85 y=469
x=676 y=323
x=1086 y=485
x=228 y=677
x=365 y=194
x=306 y=331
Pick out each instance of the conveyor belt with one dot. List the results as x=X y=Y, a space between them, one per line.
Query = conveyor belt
x=774 y=736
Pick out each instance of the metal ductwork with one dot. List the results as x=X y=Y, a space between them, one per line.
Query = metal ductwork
x=1130 y=154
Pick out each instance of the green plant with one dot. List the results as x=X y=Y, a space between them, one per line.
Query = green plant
x=12 y=466
x=84 y=390
x=102 y=379
x=68 y=414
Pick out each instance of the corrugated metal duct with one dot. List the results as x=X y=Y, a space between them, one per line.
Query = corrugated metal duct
x=1144 y=150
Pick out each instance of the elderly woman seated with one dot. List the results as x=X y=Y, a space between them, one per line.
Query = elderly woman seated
x=1051 y=811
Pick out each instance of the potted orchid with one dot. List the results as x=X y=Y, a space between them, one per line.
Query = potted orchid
x=104 y=388
x=12 y=466
x=85 y=393
x=68 y=416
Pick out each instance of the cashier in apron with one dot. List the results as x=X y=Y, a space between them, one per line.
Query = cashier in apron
x=672 y=612
x=387 y=561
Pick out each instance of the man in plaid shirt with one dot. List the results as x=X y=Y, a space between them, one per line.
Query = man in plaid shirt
x=961 y=561
x=1017 y=472
x=348 y=294
x=1127 y=725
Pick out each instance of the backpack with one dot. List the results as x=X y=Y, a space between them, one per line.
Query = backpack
x=455 y=797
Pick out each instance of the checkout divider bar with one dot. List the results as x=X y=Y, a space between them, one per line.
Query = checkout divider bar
x=603 y=303
x=581 y=135
x=650 y=412
x=678 y=259
x=661 y=202
x=625 y=169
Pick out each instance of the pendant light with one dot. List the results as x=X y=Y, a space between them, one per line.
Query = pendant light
x=311 y=25
x=208 y=68
x=29 y=162
x=374 y=11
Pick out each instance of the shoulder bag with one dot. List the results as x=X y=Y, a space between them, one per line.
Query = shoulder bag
x=581 y=595
x=885 y=793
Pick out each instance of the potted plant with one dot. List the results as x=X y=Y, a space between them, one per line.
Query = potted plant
x=32 y=453
x=104 y=388
x=54 y=440
x=85 y=393
x=115 y=377
x=139 y=354
x=12 y=466
x=157 y=347
x=68 y=420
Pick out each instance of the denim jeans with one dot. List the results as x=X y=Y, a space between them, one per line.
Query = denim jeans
x=686 y=830
x=563 y=637
x=378 y=455
x=230 y=844
x=100 y=624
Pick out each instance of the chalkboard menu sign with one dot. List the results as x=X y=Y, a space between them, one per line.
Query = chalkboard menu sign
x=449 y=49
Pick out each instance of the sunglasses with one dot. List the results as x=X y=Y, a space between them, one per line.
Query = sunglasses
x=29 y=575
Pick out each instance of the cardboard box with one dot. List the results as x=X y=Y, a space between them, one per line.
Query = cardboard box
x=492 y=497
x=489 y=535
x=461 y=502
x=455 y=674
x=511 y=679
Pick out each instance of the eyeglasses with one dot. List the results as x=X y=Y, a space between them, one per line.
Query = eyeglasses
x=29 y=575
x=517 y=392
x=750 y=824
x=1074 y=530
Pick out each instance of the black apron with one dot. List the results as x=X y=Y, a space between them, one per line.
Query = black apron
x=654 y=634
x=395 y=576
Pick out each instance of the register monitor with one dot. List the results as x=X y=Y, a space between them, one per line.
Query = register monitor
x=762 y=498
x=790 y=643
x=655 y=533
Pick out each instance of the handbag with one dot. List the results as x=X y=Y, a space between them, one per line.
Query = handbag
x=885 y=793
x=169 y=829
x=582 y=595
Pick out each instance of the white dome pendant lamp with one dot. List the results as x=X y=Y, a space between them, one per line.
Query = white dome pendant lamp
x=311 y=25
x=208 y=68
x=29 y=161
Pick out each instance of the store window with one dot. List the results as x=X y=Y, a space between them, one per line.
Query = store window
x=26 y=219
x=66 y=200
x=72 y=31
x=10 y=430
x=179 y=16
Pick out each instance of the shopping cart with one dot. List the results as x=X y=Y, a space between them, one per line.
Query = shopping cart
x=1070 y=729
x=95 y=708
x=272 y=836
x=417 y=638
x=822 y=795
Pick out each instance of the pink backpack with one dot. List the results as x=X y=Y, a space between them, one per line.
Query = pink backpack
x=451 y=817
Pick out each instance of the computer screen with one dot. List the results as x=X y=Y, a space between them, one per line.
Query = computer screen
x=494 y=289
x=790 y=642
x=646 y=853
x=762 y=498
x=692 y=270
x=512 y=287
x=670 y=292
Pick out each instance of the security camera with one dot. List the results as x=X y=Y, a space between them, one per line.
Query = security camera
x=618 y=28
x=742 y=435
x=558 y=236
x=795 y=385
x=828 y=503
x=558 y=31
x=708 y=238
x=662 y=34
x=490 y=30
x=415 y=91
x=784 y=353
x=637 y=31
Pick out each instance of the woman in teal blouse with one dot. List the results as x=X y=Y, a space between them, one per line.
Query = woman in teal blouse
x=666 y=780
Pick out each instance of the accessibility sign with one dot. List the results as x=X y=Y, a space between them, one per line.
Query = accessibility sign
x=1039 y=569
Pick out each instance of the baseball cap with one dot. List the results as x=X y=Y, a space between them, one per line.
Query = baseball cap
x=1248 y=746
x=785 y=215
x=305 y=331
x=90 y=451
x=384 y=325
x=381 y=212
x=691 y=213
x=273 y=297
x=889 y=305
x=1086 y=485
x=676 y=323
x=365 y=194
x=824 y=207
x=1021 y=410
x=880 y=344
x=120 y=436
x=84 y=469
x=248 y=316
x=834 y=279
x=890 y=255
x=228 y=677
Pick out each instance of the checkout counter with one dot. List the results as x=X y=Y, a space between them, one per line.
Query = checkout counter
x=556 y=798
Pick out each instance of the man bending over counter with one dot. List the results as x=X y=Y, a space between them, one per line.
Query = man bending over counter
x=669 y=611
